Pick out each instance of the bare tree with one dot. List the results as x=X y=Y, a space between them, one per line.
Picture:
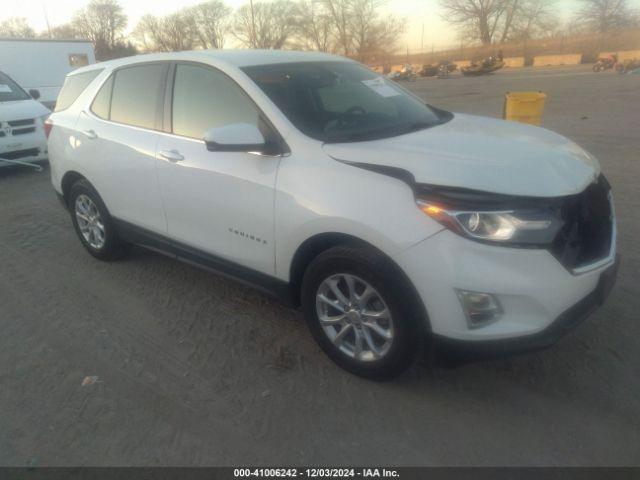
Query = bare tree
x=340 y=12
x=478 y=19
x=64 y=31
x=605 y=15
x=315 y=29
x=499 y=21
x=102 y=22
x=208 y=23
x=176 y=33
x=537 y=18
x=372 y=35
x=16 y=27
x=357 y=28
x=267 y=25
x=171 y=33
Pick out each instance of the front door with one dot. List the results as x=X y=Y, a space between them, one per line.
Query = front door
x=220 y=203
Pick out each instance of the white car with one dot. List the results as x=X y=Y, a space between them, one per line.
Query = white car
x=22 y=138
x=393 y=224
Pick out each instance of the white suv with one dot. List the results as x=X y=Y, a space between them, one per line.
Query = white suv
x=388 y=221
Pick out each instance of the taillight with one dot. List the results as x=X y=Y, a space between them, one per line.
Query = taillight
x=48 y=125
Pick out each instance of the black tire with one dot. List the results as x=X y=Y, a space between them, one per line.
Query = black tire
x=372 y=267
x=113 y=246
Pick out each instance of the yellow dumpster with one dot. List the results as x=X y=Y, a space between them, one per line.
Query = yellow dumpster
x=525 y=107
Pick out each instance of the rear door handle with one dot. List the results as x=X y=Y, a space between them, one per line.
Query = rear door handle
x=90 y=134
x=171 y=155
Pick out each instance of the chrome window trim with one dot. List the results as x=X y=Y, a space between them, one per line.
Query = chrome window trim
x=92 y=115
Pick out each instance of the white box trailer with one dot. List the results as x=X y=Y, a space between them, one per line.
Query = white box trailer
x=42 y=64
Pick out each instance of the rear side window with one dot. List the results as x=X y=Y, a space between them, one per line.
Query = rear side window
x=102 y=103
x=73 y=86
x=136 y=95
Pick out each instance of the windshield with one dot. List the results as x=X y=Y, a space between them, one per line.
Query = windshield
x=342 y=101
x=10 y=91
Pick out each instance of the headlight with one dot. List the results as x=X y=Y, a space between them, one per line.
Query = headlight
x=527 y=226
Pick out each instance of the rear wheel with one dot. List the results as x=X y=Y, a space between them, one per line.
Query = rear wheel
x=360 y=314
x=92 y=222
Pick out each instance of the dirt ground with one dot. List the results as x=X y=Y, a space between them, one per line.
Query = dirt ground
x=194 y=369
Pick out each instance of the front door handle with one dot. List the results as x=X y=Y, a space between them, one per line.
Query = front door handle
x=90 y=134
x=171 y=155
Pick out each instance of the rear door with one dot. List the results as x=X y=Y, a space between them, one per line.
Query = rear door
x=118 y=136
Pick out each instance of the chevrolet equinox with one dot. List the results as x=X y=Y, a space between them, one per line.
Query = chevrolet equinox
x=393 y=224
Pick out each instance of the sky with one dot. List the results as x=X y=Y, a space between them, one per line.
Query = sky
x=422 y=16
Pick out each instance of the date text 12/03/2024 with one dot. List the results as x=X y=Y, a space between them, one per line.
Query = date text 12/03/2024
x=316 y=473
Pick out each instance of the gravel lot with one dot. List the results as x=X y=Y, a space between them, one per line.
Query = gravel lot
x=194 y=369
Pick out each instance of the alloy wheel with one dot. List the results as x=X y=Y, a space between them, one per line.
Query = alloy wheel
x=355 y=317
x=90 y=222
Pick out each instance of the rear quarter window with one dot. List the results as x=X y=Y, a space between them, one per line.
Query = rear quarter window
x=73 y=86
x=101 y=105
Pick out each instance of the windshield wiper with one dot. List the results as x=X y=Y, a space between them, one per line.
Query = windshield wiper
x=382 y=132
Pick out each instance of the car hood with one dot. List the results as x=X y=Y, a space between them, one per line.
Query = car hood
x=481 y=153
x=21 y=110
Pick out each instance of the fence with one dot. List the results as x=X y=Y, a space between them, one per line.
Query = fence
x=522 y=54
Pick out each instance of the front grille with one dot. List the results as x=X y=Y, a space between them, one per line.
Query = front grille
x=22 y=123
x=19 y=127
x=23 y=131
x=588 y=226
x=31 y=152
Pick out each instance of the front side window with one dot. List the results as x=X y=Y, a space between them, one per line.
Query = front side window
x=136 y=90
x=204 y=98
x=342 y=101
x=73 y=86
x=10 y=91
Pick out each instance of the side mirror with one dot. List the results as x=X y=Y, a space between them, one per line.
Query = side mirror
x=238 y=137
x=35 y=94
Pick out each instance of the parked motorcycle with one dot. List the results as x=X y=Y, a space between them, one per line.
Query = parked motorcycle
x=483 y=67
x=441 y=69
x=605 y=63
x=627 y=66
x=405 y=75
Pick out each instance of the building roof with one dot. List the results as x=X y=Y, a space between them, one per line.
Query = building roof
x=44 y=40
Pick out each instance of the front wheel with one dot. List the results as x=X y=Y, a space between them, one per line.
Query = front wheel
x=359 y=313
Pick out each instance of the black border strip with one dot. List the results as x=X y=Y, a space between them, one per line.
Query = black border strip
x=270 y=285
x=373 y=472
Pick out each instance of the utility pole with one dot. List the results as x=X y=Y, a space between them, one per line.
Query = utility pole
x=253 y=26
x=46 y=19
